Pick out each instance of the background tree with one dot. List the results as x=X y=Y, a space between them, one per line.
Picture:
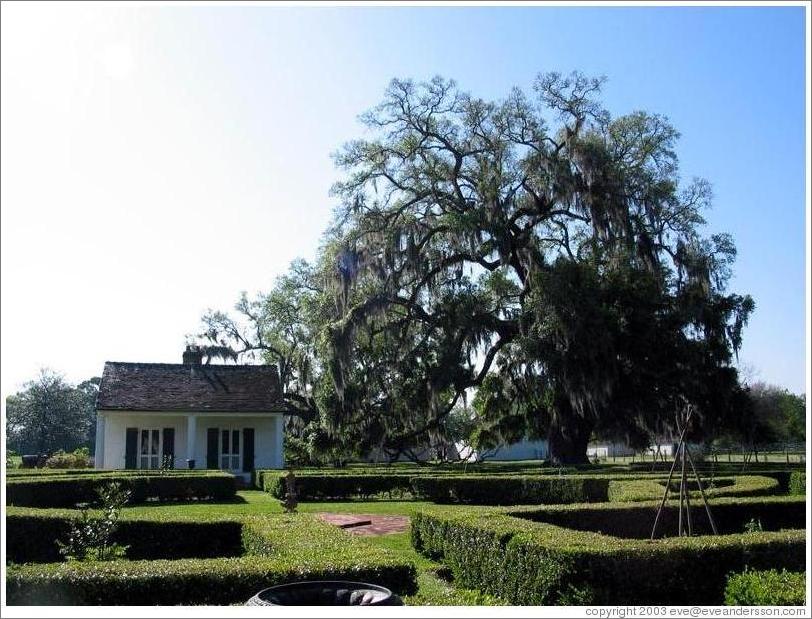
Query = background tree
x=559 y=272
x=282 y=327
x=776 y=416
x=278 y=327
x=51 y=414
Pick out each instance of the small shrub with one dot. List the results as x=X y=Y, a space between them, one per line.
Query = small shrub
x=753 y=526
x=766 y=588
x=291 y=501
x=78 y=459
x=167 y=464
x=797 y=482
x=91 y=538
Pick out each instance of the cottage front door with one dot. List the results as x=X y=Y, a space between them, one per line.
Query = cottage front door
x=230 y=450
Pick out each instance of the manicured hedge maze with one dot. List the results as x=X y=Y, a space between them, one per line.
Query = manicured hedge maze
x=510 y=490
x=70 y=490
x=502 y=489
x=635 y=520
x=472 y=489
x=539 y=563
x=278 y=549
x=650 y=488
x=322 y=487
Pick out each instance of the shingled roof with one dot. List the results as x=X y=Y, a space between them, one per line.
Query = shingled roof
x=185 y=387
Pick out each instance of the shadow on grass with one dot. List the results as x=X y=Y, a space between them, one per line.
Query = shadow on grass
x=236 y=500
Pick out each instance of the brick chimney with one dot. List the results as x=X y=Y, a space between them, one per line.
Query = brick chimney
x=192 y=355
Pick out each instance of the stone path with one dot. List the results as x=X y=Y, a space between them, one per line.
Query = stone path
x=363 y=524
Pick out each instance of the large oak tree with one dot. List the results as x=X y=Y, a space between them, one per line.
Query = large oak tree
x=533 y=250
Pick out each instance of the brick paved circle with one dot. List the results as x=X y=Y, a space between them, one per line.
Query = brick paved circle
x=367 y=524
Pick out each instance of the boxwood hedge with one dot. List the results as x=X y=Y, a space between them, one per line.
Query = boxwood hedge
x=69 y=490
x=510 y=490
x=647 y=489
x=320 y=487
x=506 y=488
x=635 y=520
x=45 y=472
x=32 y=534
x=280 y=549
x=533 y=563
x=766 y=588
x=457 y=488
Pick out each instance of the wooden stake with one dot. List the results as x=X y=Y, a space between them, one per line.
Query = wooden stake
x=687 y=491
x=702 y=492
x=681 y=491
x=667 y=485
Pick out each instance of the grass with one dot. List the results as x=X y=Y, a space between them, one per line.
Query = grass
x=256 y=502
x=434 y=591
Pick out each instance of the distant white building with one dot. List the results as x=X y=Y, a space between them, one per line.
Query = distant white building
x=608 y=450
x=523 y=450
x=539 y=450
x=526 y=449
x=621 y=450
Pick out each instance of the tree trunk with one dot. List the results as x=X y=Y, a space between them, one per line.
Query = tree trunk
x=567 y=440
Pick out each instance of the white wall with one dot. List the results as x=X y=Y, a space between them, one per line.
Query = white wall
x=266 y=455
x=608 y=450
x=523 y=450
x=268 y=435
x=115 y=433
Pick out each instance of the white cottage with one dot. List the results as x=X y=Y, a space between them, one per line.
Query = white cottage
x=189 y=415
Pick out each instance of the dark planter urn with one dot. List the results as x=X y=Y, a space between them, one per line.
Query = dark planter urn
x=30 y=461
x=325 y=593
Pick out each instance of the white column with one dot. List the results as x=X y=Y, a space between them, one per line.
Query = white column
x=280 y=441
x=191 y=435
x=98 y=457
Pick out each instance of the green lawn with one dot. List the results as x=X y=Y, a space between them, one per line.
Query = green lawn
x=433 y=590
x=252 y=502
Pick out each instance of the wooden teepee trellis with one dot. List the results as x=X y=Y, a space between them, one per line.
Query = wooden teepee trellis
x=683 y=456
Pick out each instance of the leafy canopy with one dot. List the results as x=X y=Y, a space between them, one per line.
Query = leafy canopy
x=533 y=252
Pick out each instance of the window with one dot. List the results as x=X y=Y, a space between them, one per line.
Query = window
x=149 y=449
x=229 y=449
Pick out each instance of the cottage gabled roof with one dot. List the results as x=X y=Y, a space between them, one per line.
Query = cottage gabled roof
x=189 y=388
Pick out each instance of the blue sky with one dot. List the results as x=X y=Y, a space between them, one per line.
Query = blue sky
x=158 y=160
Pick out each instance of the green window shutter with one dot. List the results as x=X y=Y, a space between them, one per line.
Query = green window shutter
x=131 y=449
x=211 y=448
x=248 y=450
x=169 y=446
